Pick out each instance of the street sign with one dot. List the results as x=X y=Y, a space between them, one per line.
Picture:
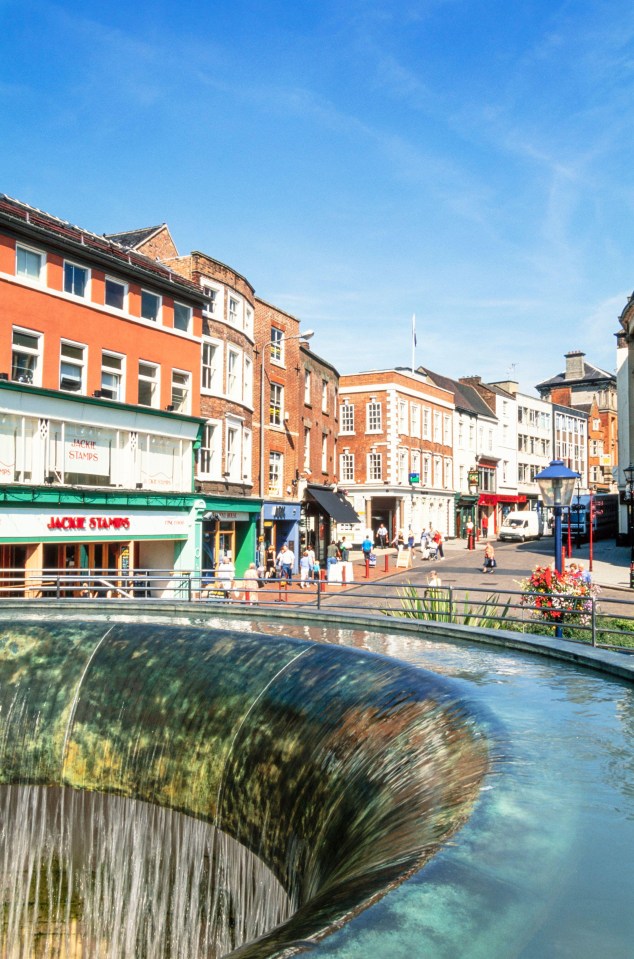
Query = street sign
x=414 y=478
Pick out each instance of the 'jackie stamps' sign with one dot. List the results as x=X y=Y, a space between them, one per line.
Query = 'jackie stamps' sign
x=86 y=456
x=80 y=524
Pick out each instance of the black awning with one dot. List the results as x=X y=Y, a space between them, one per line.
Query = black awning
x=335 y=504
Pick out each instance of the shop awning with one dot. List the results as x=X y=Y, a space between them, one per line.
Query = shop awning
x=335 y=504
x=491 y=499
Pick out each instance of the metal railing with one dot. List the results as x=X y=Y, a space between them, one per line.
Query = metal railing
x=604 y=622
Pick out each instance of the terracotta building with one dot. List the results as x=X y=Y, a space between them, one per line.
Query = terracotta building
x=99 y=402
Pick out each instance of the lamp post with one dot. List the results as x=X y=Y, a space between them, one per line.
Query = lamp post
x=296 y=336
x=578 y=544
x=629 y=496
x=556 y=485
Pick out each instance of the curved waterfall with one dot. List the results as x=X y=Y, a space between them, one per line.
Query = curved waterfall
x=211 y=791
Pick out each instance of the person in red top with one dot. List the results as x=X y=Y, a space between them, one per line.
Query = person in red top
x=438 y=541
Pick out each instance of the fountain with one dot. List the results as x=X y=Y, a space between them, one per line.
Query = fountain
x=178 y=792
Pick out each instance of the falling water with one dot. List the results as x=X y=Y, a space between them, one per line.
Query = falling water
x=92 y=875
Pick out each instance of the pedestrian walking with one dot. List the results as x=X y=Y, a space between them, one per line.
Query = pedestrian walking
x=286 y=561
x=305 y=569
x=382 y=536
x=438 y=540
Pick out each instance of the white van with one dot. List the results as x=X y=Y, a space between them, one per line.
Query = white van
x=521 y=526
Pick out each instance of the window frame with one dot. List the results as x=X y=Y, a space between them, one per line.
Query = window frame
x=186 y=386
x=276 y=405
x=114 y=372
x=71 y=264
x=348 y=415
x=70 y=361
x=159 y=306
x=30 y=251
x=115 y=281
x=371 y=408
x=155 y=382
x=189 y=313
x=34 y=377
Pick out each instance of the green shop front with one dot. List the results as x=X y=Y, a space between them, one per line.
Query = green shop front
x=229 y=529
x=108 y=538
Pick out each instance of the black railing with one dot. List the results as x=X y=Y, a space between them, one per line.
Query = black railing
x=601 y=622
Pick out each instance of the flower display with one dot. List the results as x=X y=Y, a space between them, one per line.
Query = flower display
x=560 y=597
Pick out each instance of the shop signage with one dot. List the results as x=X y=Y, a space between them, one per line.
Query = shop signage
x=89 y=522
x=32 y=524
x=86 y=456
x=414 y=478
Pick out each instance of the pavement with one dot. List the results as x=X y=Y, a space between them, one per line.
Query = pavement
x=610 y=567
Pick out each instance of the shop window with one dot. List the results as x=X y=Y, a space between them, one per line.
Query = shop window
x=150 y=306
x=115 y=294
x=26 y=356
x=29 y=263
x=111 y=376
x=182 y=317
x=75 y=279
x=180 y=391
x=72 y=367
x=148 y=384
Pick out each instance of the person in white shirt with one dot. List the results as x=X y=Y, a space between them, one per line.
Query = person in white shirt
x=225 y=574
x=286 y=561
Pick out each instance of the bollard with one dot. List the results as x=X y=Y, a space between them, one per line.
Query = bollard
x=282 y=591
x=367 y=567
x=387 y=563
x=343 y=574
x=322 y=578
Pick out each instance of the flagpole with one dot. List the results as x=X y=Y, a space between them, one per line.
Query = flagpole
x=413 y=339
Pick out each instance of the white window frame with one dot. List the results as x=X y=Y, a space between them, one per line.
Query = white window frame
x=213 y=300
x=115 y=281
x=234 y=373
x=71 y=361
x=79 y=268
x=247 y=455
x=403 y=465
x=324 y=452
x=324 y=396
x=346 y=467
x=234 y=312
x=159 y=306
x=181 y=384
x=248 y=320
x=210 y=455
x=154 y=382
x=247 y=382
x=415 y=420
x=114 y=371
x=426 y=423
x=307 y=387
x=437 y=419
x=183 y=325
x=403 y=425
x=211 y=354
x=233 y=450
x=276 y=345
x=346 y=418
x=33 y=376
x=30 y=251
x=447 y=430
x=375 y=467
x=448 y=473
x=275 y=473
x=307 y=447
x=374 y=415
x=276 y=405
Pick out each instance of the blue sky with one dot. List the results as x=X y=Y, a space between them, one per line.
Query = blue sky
x=469 y=161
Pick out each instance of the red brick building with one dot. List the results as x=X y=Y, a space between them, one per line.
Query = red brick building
x=396 y=452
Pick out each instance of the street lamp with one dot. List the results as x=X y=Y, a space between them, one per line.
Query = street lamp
x=629 y=497
x=556 y=485
x=578 y=514
x=296 y=336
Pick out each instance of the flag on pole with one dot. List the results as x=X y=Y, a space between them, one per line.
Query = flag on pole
x=414 y=329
